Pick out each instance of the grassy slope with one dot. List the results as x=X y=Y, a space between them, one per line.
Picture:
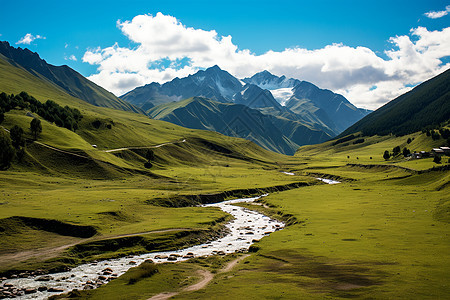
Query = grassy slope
x=426 y=105
x=57 y=185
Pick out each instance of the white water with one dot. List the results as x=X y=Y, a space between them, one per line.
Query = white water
x=329 y=181
x=247 y=226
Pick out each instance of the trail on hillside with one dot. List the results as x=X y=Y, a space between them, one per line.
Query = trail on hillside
x=144 y=147
x=206 y=276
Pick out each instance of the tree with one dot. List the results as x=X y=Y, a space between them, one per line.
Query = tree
x=396 y=150
x=17 y=138
x=409 y=141
x=406 y=152
x=35 y=127
x=2 y=116
x=6 y=151
x=386 y=155
x=437 y=159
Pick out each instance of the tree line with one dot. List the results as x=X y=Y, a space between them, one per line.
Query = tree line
x=12 y=145
x=66 y=116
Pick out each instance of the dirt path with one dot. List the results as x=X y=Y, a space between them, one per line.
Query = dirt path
x=107 y=151
x=144 y=147
x=8 y=258
x=206 y=275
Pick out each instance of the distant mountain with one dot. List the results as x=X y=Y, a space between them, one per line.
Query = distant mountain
x=268 y=81
x=64 y=77
x=213 y=83
x=426 y=105
x=290 y=103
x=273 y=133
x=308 y=101
x=255 y=97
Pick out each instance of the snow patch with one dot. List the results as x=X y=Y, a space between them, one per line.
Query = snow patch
x=282 y=95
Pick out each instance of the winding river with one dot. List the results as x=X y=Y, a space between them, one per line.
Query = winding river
x=246 y=227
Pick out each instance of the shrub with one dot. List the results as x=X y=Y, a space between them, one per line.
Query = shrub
x=144 y=270
x=386 y=155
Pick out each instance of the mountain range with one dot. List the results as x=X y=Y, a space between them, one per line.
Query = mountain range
x=277 y=113
x=299 y=110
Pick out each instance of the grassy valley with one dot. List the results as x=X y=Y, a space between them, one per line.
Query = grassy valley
x=123 y=184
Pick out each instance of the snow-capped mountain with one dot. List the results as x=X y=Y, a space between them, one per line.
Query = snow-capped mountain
x=212 y=83
x=268 y=81
x=289 y=103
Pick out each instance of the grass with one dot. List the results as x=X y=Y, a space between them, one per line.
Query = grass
x=378 y=238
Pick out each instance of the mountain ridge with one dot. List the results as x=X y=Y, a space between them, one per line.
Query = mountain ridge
x=64 y=77
x=273 y=133
x=428 y=104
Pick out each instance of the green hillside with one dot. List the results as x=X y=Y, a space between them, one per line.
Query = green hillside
x=63 y=77
x=271 y=132
x=427 y=105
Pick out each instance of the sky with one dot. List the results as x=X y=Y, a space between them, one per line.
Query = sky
x=368 y=51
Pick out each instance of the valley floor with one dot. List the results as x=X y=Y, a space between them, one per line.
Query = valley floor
x=382 y=233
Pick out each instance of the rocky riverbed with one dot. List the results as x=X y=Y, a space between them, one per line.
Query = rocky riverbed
x=247 y=227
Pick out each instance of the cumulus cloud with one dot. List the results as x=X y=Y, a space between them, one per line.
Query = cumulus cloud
x=70 y=57
x=365 y=78
x=438 y=14
x=29 y=38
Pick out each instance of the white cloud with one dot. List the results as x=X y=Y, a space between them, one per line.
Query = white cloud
x=438 y=14
x=29 y=38
x=352 y=71
x=70 y=57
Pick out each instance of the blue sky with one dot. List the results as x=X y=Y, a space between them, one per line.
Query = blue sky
x=73 y=30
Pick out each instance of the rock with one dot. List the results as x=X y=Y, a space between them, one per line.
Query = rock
x=30 y=291
x=74 y=294
x=132 y=262
x=88 y=287
x=175 y=254
x=7 y=294
x=42 y=288
x=107 y=273
x=161 y=256
x=172 y=258
x=108 y=270
x=221 y=253
x=44 y=278
x=101 y=277
x=55 y=290
x=8 y=285
x=250 y=232
x=14 y=276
